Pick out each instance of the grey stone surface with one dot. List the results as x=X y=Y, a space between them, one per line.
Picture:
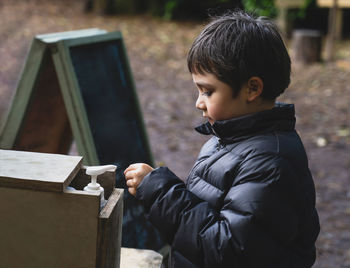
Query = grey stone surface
x=140 y=258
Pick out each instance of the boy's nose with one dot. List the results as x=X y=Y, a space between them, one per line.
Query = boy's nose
x=200 y=104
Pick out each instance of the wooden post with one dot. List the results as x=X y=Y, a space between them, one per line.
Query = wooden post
x=306 y=46
x=335 y=22
x=331 y=35
x=113 y=6
x=339 y=24
x=282 y=18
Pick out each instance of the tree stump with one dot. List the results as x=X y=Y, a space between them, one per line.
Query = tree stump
x=114 y=6
x=306 y=46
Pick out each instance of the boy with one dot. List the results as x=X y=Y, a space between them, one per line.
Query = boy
x=249 y=200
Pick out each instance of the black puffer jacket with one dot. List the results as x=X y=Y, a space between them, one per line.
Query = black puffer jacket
x=249 y=200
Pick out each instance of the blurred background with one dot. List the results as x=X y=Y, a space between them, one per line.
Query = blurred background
x=158 y=34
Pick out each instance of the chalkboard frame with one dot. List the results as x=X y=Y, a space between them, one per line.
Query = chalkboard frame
x=57 y=45
x=73 y=98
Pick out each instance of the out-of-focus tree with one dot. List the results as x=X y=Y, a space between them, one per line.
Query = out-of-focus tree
x=270 y=8
x=117 y=6
x=261 y=7
x=167 y=9
x=191 y=9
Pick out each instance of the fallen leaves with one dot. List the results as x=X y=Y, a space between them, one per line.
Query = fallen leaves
x=157 y=53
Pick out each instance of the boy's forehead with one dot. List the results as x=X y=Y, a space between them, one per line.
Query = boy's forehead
x=207 y=80
x=203 y=77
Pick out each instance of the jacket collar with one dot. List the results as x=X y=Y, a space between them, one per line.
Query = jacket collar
x=281 y=117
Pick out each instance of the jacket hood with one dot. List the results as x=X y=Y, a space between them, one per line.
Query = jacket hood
x=281 y=117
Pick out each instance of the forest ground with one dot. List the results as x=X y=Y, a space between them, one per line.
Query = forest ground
x=157 y=53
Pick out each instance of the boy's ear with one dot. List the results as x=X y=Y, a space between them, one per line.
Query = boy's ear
x=255 y=88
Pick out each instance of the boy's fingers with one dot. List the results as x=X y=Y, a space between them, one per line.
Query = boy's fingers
x=129 y=168
x=132 y=183
x=135 y=166
x=134 y=175
x=140 y=168
x=129 y=183
x=132 y=167
x=131 y=174
x=132 y=191
x=128 y=176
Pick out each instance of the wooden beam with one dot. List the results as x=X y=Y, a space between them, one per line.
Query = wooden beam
x=329 y=3
x=110 y=231
x=289 y=3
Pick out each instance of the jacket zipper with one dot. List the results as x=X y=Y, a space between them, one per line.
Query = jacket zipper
x=221 y=145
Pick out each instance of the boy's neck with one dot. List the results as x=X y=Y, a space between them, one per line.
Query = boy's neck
x=261 y=105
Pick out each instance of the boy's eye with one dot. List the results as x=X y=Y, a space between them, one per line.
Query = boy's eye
x=207 y=93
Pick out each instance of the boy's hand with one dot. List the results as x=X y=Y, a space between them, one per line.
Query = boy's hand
x=134 y=174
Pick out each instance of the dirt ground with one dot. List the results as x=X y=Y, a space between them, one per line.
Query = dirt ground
x=157 y=52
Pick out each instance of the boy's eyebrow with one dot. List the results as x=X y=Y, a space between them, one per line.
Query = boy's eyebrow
x=203 y=84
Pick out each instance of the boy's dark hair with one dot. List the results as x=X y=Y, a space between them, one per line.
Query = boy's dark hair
x=237 y=46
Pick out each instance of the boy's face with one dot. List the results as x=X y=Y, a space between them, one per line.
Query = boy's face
x=215 y=98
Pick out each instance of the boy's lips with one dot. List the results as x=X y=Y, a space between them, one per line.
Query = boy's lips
x=209 y=119
x=205 y=115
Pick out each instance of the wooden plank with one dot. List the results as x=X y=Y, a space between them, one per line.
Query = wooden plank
x=47 y=229
x=329 y=3
x=39 y=171
x=45 y=127
x=22 y=96
x=72 y=42
x=110 y=232
x=55 y=37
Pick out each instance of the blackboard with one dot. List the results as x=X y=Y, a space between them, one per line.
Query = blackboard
x=78 y=86
x=110 y=104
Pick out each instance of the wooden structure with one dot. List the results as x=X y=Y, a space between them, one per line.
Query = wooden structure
x=306 y=46
x=341 y=4
x=283 y=6
x=335 y=24
x=78 y=86
x=112 y=6
x=329 y=3
x=45 y=225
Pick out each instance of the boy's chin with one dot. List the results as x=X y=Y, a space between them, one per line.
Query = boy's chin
x=211 y=121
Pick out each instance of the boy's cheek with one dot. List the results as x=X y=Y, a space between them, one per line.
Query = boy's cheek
x=214 y=114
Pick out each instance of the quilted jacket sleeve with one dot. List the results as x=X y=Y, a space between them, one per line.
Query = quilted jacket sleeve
x=252 y=229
